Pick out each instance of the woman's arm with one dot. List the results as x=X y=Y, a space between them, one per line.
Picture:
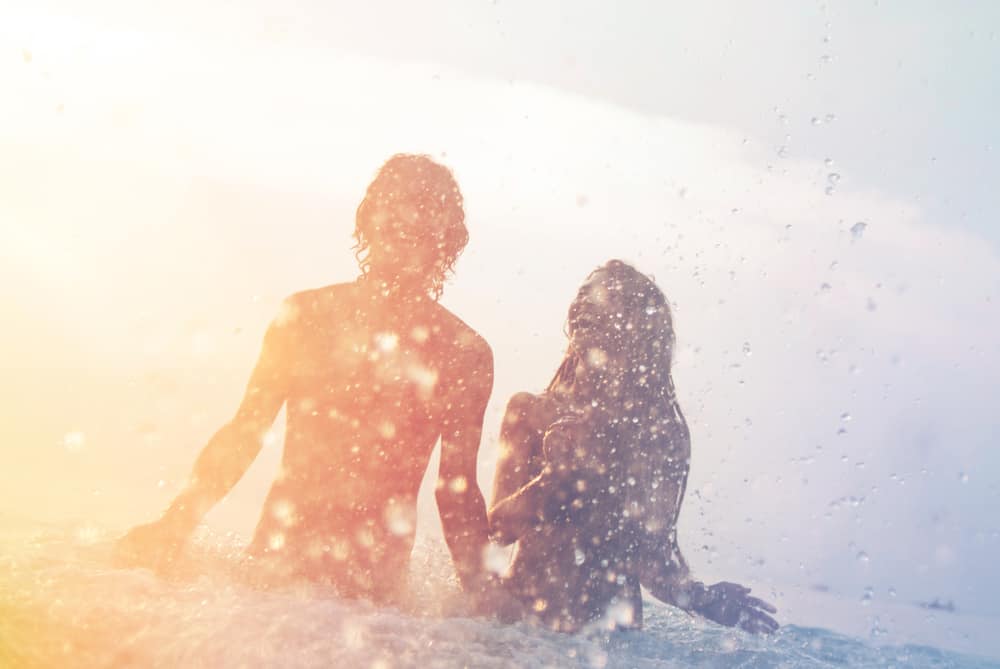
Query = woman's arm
x=517 y=514
x=664 y=572
x=519 y=463
x=520 y=446
x=554 y=495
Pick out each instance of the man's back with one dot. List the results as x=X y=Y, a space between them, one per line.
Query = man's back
x=370 y=382
x=371 y=373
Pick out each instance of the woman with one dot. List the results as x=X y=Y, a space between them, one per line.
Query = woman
x=593 y=472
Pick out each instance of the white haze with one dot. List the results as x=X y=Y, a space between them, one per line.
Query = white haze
x=839 y=384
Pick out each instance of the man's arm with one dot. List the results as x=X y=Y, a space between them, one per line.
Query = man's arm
x=222 y=462
x=460 y=501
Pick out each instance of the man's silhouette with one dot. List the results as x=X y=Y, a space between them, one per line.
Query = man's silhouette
x=372 y=373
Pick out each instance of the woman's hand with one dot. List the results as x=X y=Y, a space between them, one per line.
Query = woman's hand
x=561 y=443
x=572 y=446
x=730 y=604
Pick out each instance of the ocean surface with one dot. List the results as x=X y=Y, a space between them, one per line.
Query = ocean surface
x=63 y=604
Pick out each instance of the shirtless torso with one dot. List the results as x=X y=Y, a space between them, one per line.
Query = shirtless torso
x=369 y=381
x=370 y=384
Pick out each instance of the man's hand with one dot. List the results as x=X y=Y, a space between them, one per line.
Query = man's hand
x=730 y=604
x=155 y=546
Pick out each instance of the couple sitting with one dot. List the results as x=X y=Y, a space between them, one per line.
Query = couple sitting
x=372 y=373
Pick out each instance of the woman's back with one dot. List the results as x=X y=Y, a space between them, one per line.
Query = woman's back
x=604 y=501
x=569 y=568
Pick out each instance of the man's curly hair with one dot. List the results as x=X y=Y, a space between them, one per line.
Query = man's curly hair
x=431 y=188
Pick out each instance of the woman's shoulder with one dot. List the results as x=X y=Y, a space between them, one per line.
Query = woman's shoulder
x=537 y=410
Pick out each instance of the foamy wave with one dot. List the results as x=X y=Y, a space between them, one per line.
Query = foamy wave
x=63 y=604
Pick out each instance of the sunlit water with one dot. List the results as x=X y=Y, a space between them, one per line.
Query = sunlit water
x=63 y=604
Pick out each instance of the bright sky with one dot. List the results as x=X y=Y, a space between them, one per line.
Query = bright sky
x=168 y=175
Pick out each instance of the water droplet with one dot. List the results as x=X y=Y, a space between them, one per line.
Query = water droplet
x=495 y=559
x=782 y=151
x=74 y=441
x=858 y=230
x=846 y=417
x=892 y=592
x=578 y=557
x=284 y=511
x=386 y=341
x=161 y=483
x=830 y=118
x=832 y=178
x=746 y=349
x=815 y=120
x=963 y=477
x=459 y=484
x=88 y=534
x=828 y=162
x=862 y=557
x=842 y=431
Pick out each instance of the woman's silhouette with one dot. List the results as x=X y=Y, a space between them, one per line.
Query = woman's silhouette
x=593 y=472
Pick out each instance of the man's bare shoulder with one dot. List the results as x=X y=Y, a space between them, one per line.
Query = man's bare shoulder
x=324 y=296
x=454 y=332
x=306 y=306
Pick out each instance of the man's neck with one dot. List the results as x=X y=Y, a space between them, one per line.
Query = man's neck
x=391 y=288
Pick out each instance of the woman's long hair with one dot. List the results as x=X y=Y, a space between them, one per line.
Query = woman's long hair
x=652 y=441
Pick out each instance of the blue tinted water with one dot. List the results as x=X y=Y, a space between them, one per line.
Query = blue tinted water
x=62 y=604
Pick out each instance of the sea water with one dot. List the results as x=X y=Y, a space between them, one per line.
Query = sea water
x=64 y=604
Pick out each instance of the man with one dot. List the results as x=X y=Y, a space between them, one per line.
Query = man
x=372 y=373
